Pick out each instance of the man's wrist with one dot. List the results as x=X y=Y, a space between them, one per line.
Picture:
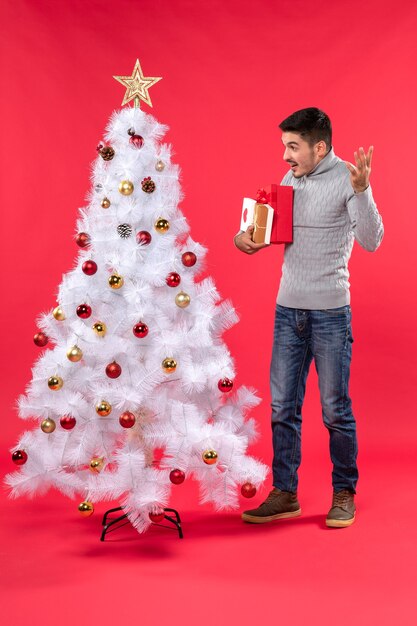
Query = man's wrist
x=235 y=237
x=361 y=190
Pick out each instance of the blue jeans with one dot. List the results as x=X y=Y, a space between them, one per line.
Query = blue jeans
x=299 y=336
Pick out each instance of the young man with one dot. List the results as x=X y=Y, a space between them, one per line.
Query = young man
x=333 y=206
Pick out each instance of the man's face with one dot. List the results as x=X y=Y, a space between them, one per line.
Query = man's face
x=302 y=157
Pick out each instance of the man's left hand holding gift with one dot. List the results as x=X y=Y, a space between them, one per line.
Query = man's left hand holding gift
x=243 y=241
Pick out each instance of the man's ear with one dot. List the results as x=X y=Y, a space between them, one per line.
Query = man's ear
x=321 y=148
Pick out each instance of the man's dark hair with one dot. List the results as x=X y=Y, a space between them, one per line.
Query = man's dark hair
x=312 y=124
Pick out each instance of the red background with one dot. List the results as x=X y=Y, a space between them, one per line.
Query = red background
x=231 y=72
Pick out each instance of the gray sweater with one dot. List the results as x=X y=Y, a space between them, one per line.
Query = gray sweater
x=328 y=217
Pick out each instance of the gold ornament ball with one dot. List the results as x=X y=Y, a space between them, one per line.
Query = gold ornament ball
x=48 y=425
x=126 y=187
x=103 y=408
x=55 y=382
x=96 y=464
x=169 y=365
x=116 y=281
x=159 y=166
x=161 y=225
x=74 y=354
x=58 y=314
x=182 y=299
x=105 y=203
x=86 y=508
x=210 y=457
x=100 y=329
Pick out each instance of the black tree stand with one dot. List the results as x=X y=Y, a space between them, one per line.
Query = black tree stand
x=107 y=526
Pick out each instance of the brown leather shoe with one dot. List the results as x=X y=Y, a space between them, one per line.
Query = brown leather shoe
x=342 y=512
x=278 y=505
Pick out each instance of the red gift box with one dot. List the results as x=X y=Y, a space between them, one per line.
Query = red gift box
x=280 y=198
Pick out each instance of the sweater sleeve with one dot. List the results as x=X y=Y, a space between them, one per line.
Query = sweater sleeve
x=366 y=222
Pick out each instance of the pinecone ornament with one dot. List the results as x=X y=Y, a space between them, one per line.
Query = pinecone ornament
x=124 y=230
x=107 y=153
x=148 y=186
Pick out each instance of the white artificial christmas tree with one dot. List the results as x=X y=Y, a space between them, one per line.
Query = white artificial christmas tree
x=136 y=361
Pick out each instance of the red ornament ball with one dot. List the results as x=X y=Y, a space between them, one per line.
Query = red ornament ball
x=248 y=490
x=173 y=279
x=127 y=419
x=140 y=330
x=67 y=422
x=143 y=237
x=82 y=240
x=113 y=370
x=189 y=259
x=84 y=311
x=89 y=268
x=177 y=476
x=156 y=518
x=19 y=457
x=40 y=339
x=136 y=141
x=225 y=385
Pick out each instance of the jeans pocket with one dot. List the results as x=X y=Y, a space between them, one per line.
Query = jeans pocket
x=341 y=310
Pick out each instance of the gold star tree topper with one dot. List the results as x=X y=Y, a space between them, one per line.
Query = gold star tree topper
x=137 y=85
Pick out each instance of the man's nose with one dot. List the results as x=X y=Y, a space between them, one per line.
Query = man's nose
x=286 y=155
